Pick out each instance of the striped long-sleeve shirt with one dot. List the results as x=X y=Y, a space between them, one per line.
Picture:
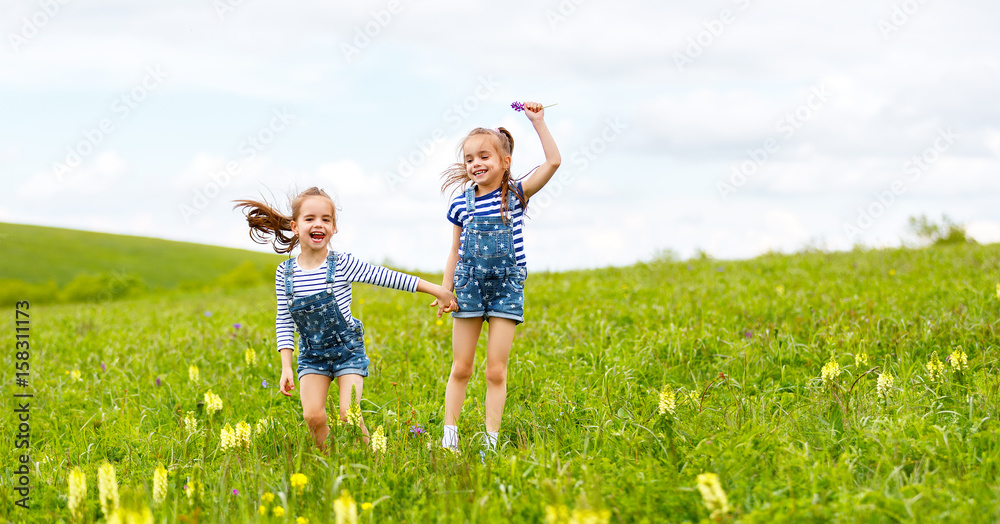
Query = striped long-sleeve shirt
x=312 y=281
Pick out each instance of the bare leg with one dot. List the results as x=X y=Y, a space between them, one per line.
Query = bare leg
x=345 y=382
x=313 y=394
x=498 y=344
x=465 y=335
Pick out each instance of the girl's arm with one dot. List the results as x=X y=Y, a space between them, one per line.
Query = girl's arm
x=544 y=173
x=448 y=281
x=443 y=299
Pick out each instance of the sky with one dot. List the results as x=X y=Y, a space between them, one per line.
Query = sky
x=725 y=127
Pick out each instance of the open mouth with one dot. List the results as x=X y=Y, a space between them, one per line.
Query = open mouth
x=317 y=236
x=480 y=172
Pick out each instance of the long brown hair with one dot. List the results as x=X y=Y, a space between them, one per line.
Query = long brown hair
x=268 y=225
x=457 y=175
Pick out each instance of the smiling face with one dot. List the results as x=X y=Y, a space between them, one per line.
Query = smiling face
x=483 y=162
x=315 y=223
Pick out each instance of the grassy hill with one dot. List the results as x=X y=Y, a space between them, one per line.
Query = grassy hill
x=38 y=255
x=818 y=387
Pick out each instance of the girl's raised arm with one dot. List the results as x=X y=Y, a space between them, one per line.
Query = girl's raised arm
x=543 y=174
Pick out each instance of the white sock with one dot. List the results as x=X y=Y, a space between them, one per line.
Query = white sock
x=450 y=439
x=491 y=439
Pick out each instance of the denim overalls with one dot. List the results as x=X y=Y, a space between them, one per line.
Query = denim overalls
x=327 y=345
x=488 y=281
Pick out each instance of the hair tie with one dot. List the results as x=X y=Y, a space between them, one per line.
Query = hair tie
x=497 y=129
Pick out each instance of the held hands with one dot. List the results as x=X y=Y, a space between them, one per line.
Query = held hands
x=446 y=301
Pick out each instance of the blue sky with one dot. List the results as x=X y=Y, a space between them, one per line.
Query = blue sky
x=730 y=127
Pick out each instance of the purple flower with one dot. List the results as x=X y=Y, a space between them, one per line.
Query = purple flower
x=263 y=383
x=237 y=326
x=518 y=106
x=207 y=313
x=157 y=381
x=236 y=491
x=103 y=367
x=748 y=334
x=417 y=429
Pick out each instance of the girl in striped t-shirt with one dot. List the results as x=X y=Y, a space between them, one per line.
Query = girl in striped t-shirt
x=486 y=264
x=314 y=295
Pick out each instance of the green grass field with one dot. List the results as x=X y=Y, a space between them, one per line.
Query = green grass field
x=37 y=255
x=739 y=346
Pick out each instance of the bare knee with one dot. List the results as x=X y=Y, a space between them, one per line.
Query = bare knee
x=315 y=418
x=461 y=370
x=496 y=375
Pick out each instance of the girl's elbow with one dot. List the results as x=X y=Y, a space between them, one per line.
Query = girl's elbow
x=555 y=162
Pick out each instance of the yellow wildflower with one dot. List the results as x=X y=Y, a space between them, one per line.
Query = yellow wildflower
x=998 y=291
x=262 y=510
x=712 y=494
x=107 y=488
x=267 y=497
x=212 y=402
x=345 y=508
x=884 y=384
x=558 y=514
x=278 y=511
x=589 y=516
x=779 y=289
x=378 y=440
x=959 y=360
x=439 y=322
x=263 y=425
x=301 y=520
x=250 y=357
x=299 y=481
x=861 y=359
x=935 y=368
x=668 y=403
x=242 y=434
x=830 y=371
x=354 y=412
x=227 y=438
x=159 y=484
x=193 y=374
x=131 y=516
x=77 y=492
x=366 y=506
x=190 y=423
x=76 y=375
x=694 y=398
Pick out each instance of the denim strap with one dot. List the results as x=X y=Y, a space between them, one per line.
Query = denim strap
x=331 y=269
x=288 y=281
x=470 y=200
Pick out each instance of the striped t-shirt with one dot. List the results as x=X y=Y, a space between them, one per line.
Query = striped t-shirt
x=488 y=205
x=312 y=281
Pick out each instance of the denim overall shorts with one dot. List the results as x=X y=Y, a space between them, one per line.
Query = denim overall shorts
x=488 y=281
x=327 y=344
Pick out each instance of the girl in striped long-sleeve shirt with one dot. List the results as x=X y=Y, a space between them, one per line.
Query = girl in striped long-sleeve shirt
x=314 y=296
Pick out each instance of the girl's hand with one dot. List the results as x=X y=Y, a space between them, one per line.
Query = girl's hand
x=446 y=301
x=286 y=384
x=534 y=111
